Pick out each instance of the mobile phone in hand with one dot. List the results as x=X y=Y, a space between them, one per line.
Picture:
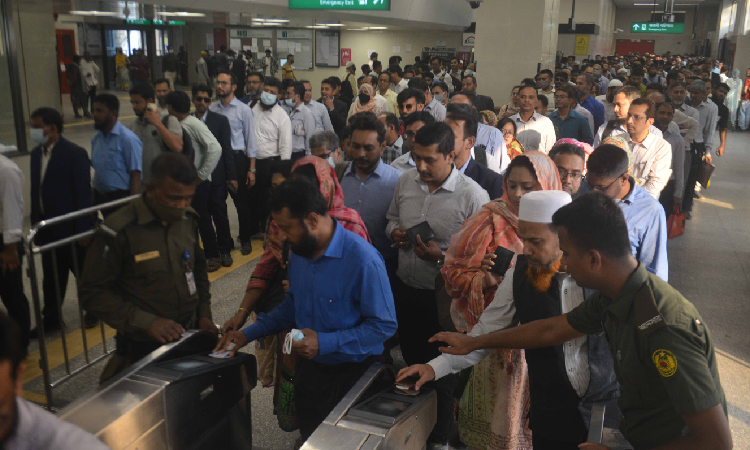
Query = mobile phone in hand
x=502 y=260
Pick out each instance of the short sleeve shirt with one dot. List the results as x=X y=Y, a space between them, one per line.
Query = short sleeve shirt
x=114 y=156
x=663 y=353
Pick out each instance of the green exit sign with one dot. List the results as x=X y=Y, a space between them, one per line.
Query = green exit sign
x=359 y=5
x=658 y=27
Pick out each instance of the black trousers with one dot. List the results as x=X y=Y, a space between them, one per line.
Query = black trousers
x=105 y=197
x=547 y=444
x=259 y=194
x=318 y=388
x=241 y=198
x=92 y=94
x=297 y=155
x=12 y=296
x=666 y=198
x=416 y=312
x=57 y=265
x=697 y=151
x=210 y=203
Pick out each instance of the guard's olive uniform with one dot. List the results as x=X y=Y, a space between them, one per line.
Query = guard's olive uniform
x=663 y=353
x=135 y=271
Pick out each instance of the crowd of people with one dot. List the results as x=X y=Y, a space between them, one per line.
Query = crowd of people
x=383 y=206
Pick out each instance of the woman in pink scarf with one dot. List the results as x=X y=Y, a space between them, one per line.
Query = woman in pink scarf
x=495 y=404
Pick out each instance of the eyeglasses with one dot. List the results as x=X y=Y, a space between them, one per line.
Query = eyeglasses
x=203 y=99
x=506 y=132
x=602 y=189
x=564 y=174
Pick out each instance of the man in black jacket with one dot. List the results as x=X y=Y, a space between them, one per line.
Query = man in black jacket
x=210 y=200
x=337 y=109
x=60 y=184
x=463 y=120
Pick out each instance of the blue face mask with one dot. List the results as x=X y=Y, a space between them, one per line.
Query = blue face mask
x=290 y=102
x=330 y=161
x=439 y=97
x=37 y=135
x=267 y=99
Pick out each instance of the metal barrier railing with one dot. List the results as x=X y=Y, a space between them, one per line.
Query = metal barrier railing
x=33 y=250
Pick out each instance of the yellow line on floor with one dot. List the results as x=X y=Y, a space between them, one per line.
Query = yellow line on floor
x=239 y=260
x=34 y=397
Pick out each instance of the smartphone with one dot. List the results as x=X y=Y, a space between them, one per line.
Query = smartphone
x=406 y=386
x=152 y=107
x=503 y=258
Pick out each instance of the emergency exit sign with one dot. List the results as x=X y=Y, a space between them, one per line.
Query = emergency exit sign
x=658 y=27
x=357 y=5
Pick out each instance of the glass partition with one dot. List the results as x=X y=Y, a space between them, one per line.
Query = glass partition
x=9 y=139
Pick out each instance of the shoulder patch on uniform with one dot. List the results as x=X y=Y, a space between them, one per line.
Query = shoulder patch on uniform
x=647 y=315
x=665 y=362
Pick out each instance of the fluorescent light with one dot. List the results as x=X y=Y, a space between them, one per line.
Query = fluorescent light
x=643 y=4
x=277 y=20
x=181 y=14
x=356 y=29
x=95 y=13
x=377 y=28
x=333 y=24
x=317 y=27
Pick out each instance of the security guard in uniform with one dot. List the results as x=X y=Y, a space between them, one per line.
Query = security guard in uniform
x=145 y=272
x=663 y=352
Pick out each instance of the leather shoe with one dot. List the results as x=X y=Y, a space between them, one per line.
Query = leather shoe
x=226 y=260
x=90 y=320
x=247 y=248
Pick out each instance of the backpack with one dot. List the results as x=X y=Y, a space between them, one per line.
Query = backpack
x=480 y=154
x=187 y=143
x=341 y=168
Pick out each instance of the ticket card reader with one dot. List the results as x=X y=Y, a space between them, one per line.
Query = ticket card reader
x=177 y=398
x=374 y=415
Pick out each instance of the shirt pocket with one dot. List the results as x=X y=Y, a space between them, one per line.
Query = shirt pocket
x=642 y=389
x=335 y=313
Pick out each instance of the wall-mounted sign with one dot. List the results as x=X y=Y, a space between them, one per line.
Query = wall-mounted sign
x=346 y=56
x=154 y=22
x=360 y=5
x=241 y=33
x=582 y=44
x=658 y=27
x=468 y=40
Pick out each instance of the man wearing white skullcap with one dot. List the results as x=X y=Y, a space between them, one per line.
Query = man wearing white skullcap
x=562 y=378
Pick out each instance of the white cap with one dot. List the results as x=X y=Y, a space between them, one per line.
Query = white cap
x=539 y=206
x=615 y=83
x=622 y=71
x=349 y=64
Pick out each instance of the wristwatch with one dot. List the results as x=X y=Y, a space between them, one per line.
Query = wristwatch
x=252 y=170
x=440 y=261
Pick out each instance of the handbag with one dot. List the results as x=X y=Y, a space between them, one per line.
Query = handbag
x=705 y=170
x=676 y=223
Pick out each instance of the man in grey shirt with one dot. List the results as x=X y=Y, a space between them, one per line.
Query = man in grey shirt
x=207 y=148
x=157 y=133
x=439 y=194
x=23 y=425
x=431 y=105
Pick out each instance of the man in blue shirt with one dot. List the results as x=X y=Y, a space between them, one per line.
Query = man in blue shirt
x=595 y=107
x=116 y=154
x=568 y=123
x=368 y=183
x=647 y=227
x=338 y=296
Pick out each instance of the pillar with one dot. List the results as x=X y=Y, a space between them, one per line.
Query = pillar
x=513 y=39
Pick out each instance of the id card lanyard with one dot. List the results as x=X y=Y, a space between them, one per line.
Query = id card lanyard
x=189 y=276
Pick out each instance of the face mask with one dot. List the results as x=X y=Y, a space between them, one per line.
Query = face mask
x=364 y=99
x=544 y=85
x=163 y=211
x=468 y=72
x=440 y=97
x=330 y=161
x=267 y=99
x=290 y=102
x=37 y=135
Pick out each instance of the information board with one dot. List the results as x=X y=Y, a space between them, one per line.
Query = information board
x=357 y=5
x=327 y=43
x=298 y=43
x=658 y=27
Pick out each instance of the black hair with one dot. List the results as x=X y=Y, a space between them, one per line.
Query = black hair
x=331 y=81
x=346 y=132
x=470 y=95
x=306 y=172
x=368 y=121
x=110 y=101
x=76 y=59
x=543 y=100
x=655 y=87
x=377 y=64
x=547 y=72
x=272 y=82
x=390 y=120
x=595 y=222
x=528 y=82
x=232 y=77
x=175 y=166
x=608 y=161
x=436 y=133
x=419 y=84
x=442 y=85
x=49 y=116
x=521 y=161
x=202 y=88
x=650 y=107
x=144 y=90
x=386 y=74
x=722 y=85
x=467 y=113
x=360 y=80
x=283 y=167
x=409 y=70
x=418 y=116
x=406 y=94
x=256 y=74
x=473 y=79
x=162 y=80
x=365 y=68
x=223 y=48
x=434 y=58
x=11 y=343
x=179 y=101
x=299 y=89
x=502 y=123
x=567 y=149
x=527 y=86
x=570 y=91
x=659 y=105
x=374 y=55
x=397 y=70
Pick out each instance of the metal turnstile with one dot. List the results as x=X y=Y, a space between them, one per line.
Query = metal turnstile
x=176 y=398
x=375 y=416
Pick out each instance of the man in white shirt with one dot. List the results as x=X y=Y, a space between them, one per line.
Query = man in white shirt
x=677 y=93
x=652 y=155
x=535 y=288
x=708 y=116
x=671 y=195
x=319 y=111
x=534 y=131
x=398 y=82
x=622 y=99
x=90 y=75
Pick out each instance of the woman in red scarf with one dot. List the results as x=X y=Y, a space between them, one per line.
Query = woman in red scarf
x=495 y=403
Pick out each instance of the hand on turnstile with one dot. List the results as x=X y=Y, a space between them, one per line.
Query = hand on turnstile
x=233 y=337
x=459 y=343
x=307 y=347
x=425 y=372
x=165 y=330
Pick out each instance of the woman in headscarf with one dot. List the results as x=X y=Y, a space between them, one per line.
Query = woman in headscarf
x=369 y=101
x=488 y=118
x=512 y=106
x=495 y=403
x=733 y=98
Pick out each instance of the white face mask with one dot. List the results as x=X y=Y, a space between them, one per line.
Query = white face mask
x=37 y=135
x=330 y=161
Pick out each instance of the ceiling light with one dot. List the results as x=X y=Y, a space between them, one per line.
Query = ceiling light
x=377 y=28
x=277 y=20
x=317 y=27
x=95 y=13
x=181 y=14
x=333 y=24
